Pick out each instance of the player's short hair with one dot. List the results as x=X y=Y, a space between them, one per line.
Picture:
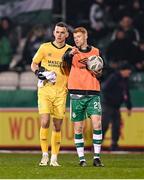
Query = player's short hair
x=80 y=29
x=62 y=24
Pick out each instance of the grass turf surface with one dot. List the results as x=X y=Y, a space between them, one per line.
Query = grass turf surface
x=117 y=166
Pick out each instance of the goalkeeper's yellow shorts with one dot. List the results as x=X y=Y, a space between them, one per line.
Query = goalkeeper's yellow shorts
x=52 y=101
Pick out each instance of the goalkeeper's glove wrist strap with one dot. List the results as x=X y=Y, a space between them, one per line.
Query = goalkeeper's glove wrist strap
x=36 y=72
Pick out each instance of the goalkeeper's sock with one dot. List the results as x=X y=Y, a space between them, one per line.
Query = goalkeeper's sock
x=55 y=142
x=97 y=141
x=79 y=143
x=44 y=140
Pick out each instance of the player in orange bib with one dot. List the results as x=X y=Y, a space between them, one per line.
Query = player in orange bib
x=52 y=90
x=84 y=88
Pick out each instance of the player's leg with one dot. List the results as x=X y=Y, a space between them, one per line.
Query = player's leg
x=77 y=107
x=58 y=115
x=45 y=121
x=94 y=112
x=79 y=141
x=44 y=106
x=97 y=139
x=55 y=141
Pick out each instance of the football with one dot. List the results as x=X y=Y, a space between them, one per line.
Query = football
x=95 y=63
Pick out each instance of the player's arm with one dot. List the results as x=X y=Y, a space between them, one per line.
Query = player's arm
x=99 y=73
x=38 y=70
x=67 y=57
x=34 y=67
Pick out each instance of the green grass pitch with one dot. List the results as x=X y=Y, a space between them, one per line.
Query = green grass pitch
x=117 y=166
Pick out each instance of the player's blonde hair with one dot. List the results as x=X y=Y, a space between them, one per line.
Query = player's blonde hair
x=80 y=29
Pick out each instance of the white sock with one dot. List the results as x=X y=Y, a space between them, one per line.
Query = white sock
x=54 y=157
x=44 y=154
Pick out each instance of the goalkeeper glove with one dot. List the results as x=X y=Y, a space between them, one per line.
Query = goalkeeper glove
x=39 y=73
x=50 y=76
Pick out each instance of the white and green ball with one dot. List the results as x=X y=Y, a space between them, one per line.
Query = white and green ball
x=95 y=63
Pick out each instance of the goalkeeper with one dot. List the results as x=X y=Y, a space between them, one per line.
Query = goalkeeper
x=52 y=91
x=84 y=88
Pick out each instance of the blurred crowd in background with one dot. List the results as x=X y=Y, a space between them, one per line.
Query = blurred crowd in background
x=115 y=26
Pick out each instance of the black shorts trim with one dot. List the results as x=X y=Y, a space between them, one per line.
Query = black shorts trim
x=84 y=92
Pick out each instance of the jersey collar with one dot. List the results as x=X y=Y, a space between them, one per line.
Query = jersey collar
x=58 y=47
x=88 y=49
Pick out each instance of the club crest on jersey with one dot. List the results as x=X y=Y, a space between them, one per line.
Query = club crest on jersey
x=49 y=54
x=83 y=61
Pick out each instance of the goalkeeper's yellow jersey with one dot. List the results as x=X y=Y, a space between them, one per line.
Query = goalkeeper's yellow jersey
x=50 y=57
